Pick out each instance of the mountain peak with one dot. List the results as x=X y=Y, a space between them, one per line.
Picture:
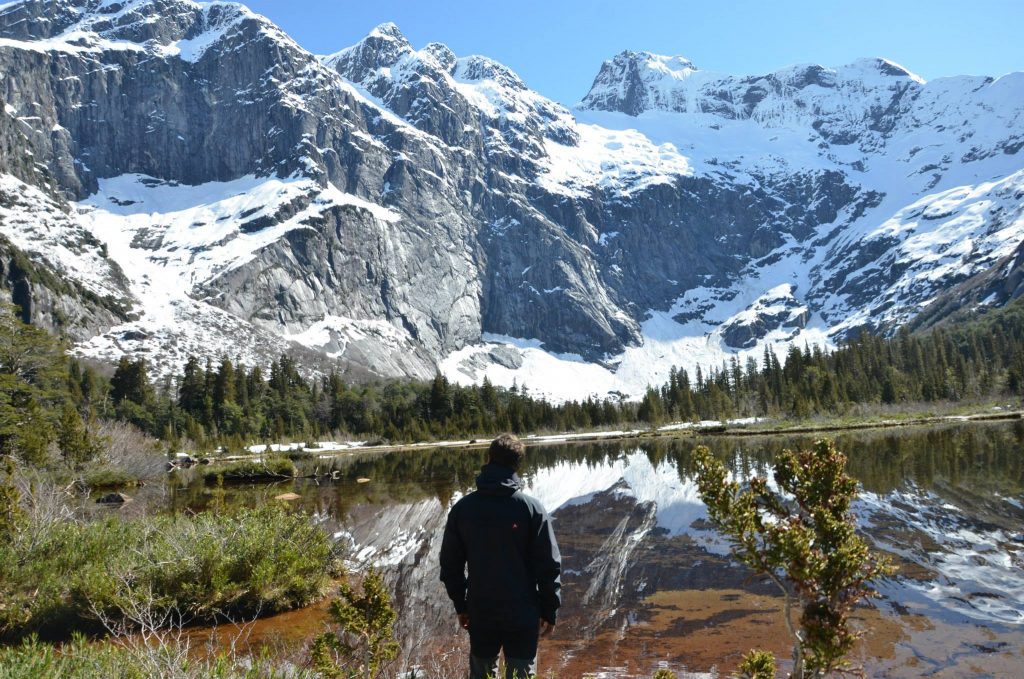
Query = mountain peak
x=476 y=67
x=387 y=30
x=166 y=28
x=884 y=67
x=674 y=66
x=443 y=54
x=381 y=48
x=632 y=82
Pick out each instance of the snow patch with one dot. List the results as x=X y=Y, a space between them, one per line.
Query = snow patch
x=624 y=161
x=333 y=334
x=35 y=224
x=170 y=239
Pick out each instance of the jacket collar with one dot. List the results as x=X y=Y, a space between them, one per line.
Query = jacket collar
x=496 y=479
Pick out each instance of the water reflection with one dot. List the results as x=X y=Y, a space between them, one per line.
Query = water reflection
x=648 y=581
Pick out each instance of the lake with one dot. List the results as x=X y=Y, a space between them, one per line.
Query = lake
x=648 y=583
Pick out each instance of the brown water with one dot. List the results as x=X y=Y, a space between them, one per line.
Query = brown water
x=647 y=583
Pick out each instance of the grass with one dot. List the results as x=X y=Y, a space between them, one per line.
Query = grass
x=860 y=415
x=109 y=478
x=62 y=575
x=270 y=467
x=80 y=659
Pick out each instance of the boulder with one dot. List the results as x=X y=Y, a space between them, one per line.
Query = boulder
x=113 y=499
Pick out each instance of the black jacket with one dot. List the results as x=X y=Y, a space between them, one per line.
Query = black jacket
x=506 y=539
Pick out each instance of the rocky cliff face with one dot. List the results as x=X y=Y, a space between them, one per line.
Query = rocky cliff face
x=186 y=95
x=398 y=209
x=68 y=284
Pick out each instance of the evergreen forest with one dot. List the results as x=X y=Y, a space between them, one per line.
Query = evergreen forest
x=47 y=397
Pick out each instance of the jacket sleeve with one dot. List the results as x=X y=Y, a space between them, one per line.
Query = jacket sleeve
x=453 y=563
x=547 y=565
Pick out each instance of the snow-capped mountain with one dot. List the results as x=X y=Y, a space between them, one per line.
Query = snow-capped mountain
x=199 y=183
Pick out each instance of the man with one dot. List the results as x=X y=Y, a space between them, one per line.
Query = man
x=506 y=539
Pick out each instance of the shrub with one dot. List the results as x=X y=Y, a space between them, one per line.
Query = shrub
x=803 y=534
x=300 y=454
x=81 y=659
x=118 y=574
x=128 y=448
x=757 y=665
x=268 y=468
x=363 y=643
x=12 y=515
x=108 y=477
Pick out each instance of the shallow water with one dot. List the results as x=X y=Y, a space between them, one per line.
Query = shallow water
x=647 y=582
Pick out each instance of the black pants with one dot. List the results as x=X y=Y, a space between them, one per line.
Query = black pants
x=519 y=646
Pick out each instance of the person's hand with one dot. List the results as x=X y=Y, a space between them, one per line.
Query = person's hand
x=546 y=628
x=464 y=620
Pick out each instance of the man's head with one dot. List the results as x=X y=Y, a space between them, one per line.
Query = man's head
x=507 y=450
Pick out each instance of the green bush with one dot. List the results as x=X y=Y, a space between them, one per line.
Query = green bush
x=803 y=536
x=363 y=642
x=63 y=576
x=33 y=659
x=271 y=467
x=300 y=454
x=109 y=477
x=757 y=665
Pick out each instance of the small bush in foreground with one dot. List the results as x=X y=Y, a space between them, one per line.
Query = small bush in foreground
x=108 y=477
x=117 y=575
x=363 y=643
x=757 y=665
x=803 y=537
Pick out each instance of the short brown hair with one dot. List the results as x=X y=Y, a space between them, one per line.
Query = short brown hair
x=507 y=450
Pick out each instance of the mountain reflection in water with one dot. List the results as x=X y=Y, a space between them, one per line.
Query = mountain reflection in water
x=648 y=583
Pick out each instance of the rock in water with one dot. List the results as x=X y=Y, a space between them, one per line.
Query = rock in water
x=113 y=499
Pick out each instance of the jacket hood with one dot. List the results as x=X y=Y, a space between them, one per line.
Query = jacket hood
x=496 y=479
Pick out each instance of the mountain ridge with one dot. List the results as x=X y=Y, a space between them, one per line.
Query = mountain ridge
x=412 y=210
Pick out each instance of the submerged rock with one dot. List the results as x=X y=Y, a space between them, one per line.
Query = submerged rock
x=113 y=499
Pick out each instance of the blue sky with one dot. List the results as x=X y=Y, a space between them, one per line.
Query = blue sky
x=557 y=46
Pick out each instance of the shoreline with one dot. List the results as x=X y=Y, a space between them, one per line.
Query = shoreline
x=329 y=450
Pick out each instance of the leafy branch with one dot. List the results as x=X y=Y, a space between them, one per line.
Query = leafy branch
x=803 y=537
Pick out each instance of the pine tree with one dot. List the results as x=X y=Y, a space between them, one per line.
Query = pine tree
x=651 y=409
x=192 y=388
x=226 y=412
x=131 y=383
x=363 y=642
x=75 y=443
x=440 y=403
x=489 y=396
x=33 y=386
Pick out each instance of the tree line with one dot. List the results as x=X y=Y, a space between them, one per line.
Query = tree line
x=975 y=361
x=49 y=399
x=233 y=404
